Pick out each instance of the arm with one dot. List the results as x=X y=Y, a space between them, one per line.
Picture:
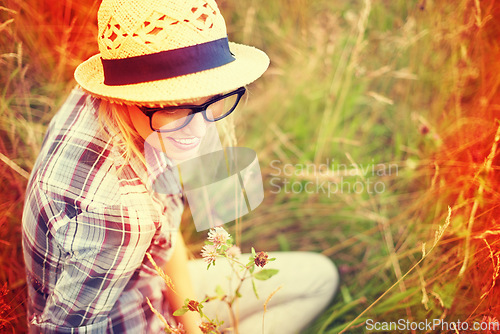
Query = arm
x=176 y=268
x=87 y=264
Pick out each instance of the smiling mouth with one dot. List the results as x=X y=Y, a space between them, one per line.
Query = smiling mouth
x=185 y=142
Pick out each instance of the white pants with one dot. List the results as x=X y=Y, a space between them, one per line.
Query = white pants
x=309 y=282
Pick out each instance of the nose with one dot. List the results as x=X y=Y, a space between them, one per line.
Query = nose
x=197 y=127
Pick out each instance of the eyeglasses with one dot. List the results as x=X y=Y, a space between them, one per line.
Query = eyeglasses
x=169 y=119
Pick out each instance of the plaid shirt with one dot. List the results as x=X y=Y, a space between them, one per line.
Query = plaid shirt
x=88 y=221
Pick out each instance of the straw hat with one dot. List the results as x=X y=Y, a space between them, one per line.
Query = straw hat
x=157 y=52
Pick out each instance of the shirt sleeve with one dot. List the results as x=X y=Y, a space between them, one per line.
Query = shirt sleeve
x=102 y=250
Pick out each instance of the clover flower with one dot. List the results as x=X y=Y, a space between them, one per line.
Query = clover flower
x=261 y=259
x=193 y=305
x=218 y=236
x=233 y=251
x=208 y=327
x=178 y=330
x=209 y=253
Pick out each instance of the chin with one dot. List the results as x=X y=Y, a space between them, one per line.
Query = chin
x=179 y=156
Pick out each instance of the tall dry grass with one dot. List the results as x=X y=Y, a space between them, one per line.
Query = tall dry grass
x=406 y=83
x=40 y=43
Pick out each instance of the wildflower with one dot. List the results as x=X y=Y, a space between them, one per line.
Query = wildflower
x=424 y=129
x=218 y=236
x=209 y=253
x=178 y=330
x=193 y=305
x=233 y=251
x=261 y=259
x=208 y=327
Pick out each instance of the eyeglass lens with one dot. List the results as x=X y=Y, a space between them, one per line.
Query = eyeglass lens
x=174 y=119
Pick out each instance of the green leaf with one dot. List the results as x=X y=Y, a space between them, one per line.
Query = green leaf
x=238 y=294
x=252 y=268
x=253 y=252
x=219 y=291
x=211 y=264
x=265 y=274
x=180 y=311
x=254 y=288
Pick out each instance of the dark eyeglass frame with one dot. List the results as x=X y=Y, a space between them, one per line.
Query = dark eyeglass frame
x=194 y=110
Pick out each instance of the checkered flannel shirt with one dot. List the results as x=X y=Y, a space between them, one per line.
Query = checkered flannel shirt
x=89 y=219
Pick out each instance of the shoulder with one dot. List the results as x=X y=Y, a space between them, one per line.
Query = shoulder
x=76 y=162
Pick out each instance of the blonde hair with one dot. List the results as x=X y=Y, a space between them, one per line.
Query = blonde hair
x=116 y=120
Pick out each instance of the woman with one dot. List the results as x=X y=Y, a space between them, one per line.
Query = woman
x=164 y=74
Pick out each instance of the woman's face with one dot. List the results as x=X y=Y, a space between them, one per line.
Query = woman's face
x=179 y=145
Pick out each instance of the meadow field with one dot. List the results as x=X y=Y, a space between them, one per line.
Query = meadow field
x=377 y=131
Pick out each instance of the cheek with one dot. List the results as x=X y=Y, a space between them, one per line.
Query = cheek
x=140 y=122
x=141 y=125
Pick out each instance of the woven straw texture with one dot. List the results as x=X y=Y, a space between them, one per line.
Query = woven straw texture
x=134 y=28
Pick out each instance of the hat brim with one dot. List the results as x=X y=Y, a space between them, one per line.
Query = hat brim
x=249 y=65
